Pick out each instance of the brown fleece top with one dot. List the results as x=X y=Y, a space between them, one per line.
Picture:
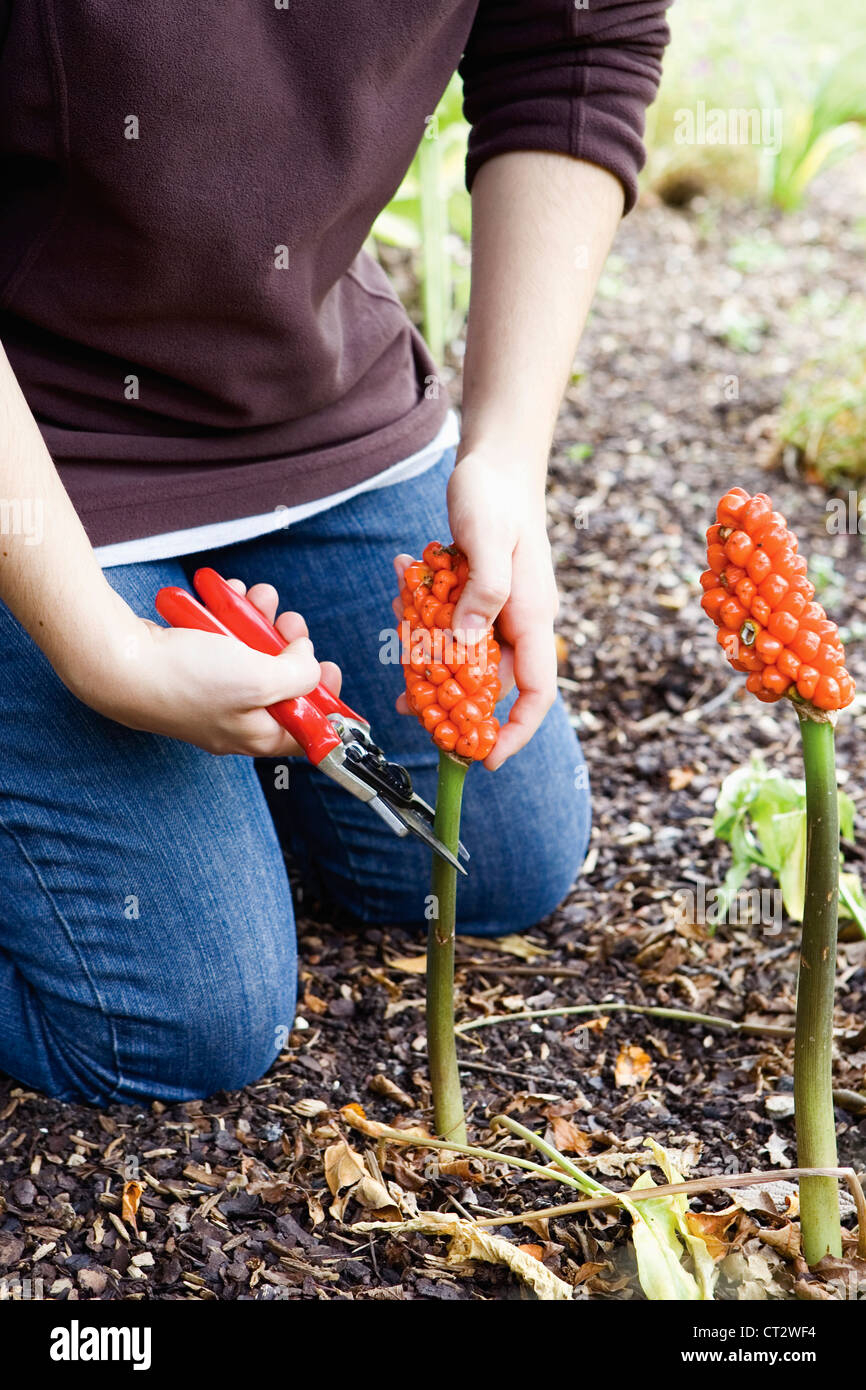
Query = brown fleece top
x=186 y=189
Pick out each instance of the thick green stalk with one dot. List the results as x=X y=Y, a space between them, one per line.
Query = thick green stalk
x=813 y=1041
x=441 y=1042
x=434 y=285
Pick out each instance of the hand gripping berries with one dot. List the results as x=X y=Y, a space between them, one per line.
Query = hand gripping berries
x=451 y=687
x=757 y=594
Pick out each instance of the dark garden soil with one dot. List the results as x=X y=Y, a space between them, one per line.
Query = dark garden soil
x=703 y=314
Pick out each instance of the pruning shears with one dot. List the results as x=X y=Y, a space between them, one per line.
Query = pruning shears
x=334 y=738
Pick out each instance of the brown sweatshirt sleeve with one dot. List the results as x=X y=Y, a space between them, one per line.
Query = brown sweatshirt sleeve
x=551 y=75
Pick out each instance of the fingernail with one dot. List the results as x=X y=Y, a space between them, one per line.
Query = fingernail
x=472 y=630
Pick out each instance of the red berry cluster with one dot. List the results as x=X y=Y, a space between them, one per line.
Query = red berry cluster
x=451 y=687
x=757 y=594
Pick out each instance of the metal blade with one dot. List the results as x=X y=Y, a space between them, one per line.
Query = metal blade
x=427 y=814
x=417 y=823
x=364 y=764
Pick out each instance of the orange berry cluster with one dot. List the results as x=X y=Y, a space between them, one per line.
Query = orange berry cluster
x=757 y=594
x=452 y=688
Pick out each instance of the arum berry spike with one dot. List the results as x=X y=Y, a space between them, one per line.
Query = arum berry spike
x=452 y=687
x=757 y=594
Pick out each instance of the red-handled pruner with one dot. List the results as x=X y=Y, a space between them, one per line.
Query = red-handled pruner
x=335 y=739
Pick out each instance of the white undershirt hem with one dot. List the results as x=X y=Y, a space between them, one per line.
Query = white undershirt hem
x=220 y=533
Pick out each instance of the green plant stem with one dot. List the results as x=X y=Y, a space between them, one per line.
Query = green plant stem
x=761 y=1030
x=433 y=257
x=694 y=1185
x=583 y=1180
x=448 y=1114
x=400 y=1136
x=813 y=1039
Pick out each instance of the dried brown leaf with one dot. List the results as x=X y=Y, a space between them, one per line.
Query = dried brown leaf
x=566 y=1136
x=511 y=945
x=452 y=1165
x=409 y=965
x=129 y=1202
x=349 y=1179
x=408 y=1177
x=785 y=1239
x=312 y=1004
x=711 y=1227
x=680 y=777
x=633 y=1066
x=384 y=1086
x=536 y=1251
x=354 y=1115
x=343 y=1167
x=196 y=1173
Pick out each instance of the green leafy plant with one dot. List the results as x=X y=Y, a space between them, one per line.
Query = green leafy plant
x=762 y=816
x=820 y=129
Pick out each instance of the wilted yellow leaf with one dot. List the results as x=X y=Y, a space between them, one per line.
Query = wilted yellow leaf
x=471 y=1242
x=662 y=1236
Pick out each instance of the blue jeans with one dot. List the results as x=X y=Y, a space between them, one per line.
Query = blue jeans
x=147 y=939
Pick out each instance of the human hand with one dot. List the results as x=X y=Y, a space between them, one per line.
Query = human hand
x=200 y=687
x=497 y=518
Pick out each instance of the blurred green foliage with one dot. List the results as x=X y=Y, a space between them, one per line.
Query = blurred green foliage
x=797 y=59
x=430 y=218
x=800 y=63
x=823 y=410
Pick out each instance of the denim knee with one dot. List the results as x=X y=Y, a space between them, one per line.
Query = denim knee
x=193 y=1043
x=220 y=1038
x=535 y=868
